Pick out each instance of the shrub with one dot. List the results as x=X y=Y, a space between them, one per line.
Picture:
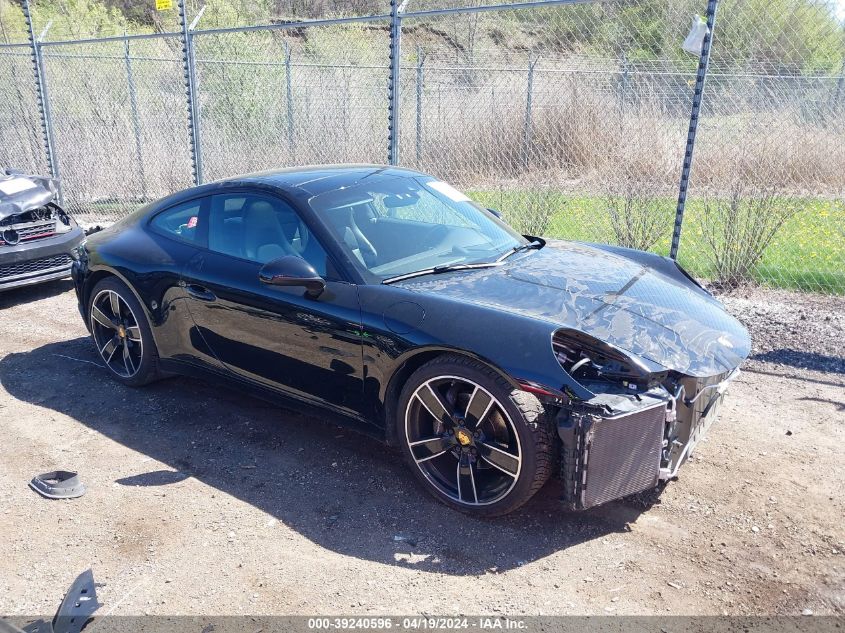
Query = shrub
x=534 y=216
x=739 y=228
x=637 y=218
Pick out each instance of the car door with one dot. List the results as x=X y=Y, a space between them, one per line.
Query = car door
x=308 y=348
x=175 y=236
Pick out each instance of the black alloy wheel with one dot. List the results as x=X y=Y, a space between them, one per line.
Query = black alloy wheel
x=121 y=333
x=473 y=441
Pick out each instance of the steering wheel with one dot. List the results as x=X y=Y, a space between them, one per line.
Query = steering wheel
x=366 y=247
x=304 y=236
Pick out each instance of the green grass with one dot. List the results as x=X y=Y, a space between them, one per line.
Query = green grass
x=808 y=253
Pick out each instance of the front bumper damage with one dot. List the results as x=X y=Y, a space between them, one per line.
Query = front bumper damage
x=46 y=260
x=620 y=443
x=38 y=239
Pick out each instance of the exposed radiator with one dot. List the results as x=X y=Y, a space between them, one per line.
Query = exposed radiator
x=622 y=455
x=606 y=458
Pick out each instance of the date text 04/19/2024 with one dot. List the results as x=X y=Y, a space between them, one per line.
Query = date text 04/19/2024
x=417 y=623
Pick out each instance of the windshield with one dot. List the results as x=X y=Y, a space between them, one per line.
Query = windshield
x=397 y=225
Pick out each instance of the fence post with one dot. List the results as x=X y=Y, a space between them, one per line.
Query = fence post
x=289 y=96
x=528 y=125
x=625 y=84
x=420 y=62
x=42 y=98
x=136 y=127
x=188 y=63
x=393 y=84
x=700 y=77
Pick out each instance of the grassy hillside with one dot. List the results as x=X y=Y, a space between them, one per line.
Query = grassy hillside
x=794 y=36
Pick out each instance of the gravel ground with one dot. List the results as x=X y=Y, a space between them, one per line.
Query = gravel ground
x=203 y=501
x=792 y=332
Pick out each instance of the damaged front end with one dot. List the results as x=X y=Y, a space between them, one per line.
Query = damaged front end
x=38 y=239
x=637 y=430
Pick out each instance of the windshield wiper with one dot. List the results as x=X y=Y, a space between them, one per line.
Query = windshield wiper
x=448 y=268
x=436 y=270
x=520 y=248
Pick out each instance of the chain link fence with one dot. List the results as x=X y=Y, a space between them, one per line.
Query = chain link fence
x=280 y=97
x=769 y=181
x=118 y=110
x=571 y=118
x=20 y=128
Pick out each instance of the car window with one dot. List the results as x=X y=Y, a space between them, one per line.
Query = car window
x=180 y=222
x=392 y=225
x=261 y=228
x=423 y=207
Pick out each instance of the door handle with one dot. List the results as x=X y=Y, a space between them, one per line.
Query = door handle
x=198 y=292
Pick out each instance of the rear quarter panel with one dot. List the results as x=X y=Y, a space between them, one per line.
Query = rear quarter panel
x=151 y=266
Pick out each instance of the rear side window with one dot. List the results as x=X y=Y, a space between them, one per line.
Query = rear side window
x=180 y=222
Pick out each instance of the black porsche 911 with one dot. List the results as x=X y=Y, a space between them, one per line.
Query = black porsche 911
x=389 y=300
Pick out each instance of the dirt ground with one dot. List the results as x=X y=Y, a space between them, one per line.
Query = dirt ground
x=204 y=501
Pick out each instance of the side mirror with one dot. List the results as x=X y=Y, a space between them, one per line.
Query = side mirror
x=496 y=212
x=292 y=271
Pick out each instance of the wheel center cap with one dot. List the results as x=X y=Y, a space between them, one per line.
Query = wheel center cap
x=121 y=331
x=464 y=437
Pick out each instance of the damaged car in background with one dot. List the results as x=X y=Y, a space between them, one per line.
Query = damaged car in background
x=38 y=239
x=388 y=299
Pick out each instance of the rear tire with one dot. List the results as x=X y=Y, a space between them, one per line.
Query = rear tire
x=472 y=440
x=121 y=333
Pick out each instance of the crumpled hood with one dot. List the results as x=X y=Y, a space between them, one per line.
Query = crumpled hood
x=638 y=302
x=19 y=193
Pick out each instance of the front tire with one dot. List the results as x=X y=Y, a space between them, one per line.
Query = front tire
x=473 y=441
x=121 y=333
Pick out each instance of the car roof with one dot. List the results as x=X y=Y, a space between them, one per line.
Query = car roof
x=307 y=181
x=318 y=179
